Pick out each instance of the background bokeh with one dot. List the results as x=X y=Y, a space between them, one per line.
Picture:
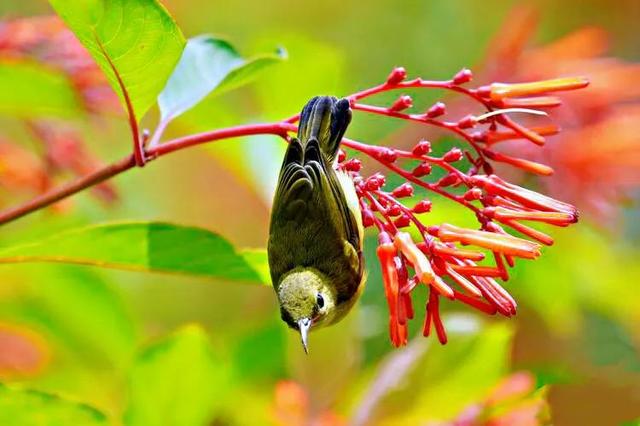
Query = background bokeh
x=577 y=332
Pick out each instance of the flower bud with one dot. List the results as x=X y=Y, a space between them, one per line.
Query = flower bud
x=473 y=194
x=403 y=221
x=396 y=76
x=448 y=180
x=352 y=165
x=404 y=190
x=341 y=156
x=402 y=103
x=467 y=122
x=463 y=76
x=436 y=110
x=375 y=182
x=422 y=148
x=455 y=154
x=421 y=170
x=368 y=219
x=394 y=210
x=422 y=206
x=388 y=155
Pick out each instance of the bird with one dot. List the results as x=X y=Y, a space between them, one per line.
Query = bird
x=315 y=233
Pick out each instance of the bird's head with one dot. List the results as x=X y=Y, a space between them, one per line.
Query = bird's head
x=306 y=301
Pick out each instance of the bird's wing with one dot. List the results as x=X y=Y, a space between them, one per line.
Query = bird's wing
x=338 y=198
x=294 y=184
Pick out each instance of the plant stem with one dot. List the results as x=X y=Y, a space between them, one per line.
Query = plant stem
x=129 y=162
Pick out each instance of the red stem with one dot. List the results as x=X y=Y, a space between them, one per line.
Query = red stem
x=138 y=148
x=139 y=156
x=129 y=162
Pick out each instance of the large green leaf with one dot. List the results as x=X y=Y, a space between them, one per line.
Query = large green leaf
x=29 y=89
x=80 y=310
x=208 y=64
x=135 y=40
x=179 y=381
x=32 y=408
x=144 y=246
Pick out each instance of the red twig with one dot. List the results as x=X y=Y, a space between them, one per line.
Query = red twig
x=128 y=162
x=138 y=148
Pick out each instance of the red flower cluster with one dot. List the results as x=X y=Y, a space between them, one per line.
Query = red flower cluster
x=432 y=255
x=47 y=40
x=599 y=125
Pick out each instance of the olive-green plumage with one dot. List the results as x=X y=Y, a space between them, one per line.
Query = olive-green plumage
x=315 y=238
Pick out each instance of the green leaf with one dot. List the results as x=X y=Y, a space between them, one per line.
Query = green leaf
x=29 y=89
x=81 y=310
x=261 y=354
x=258 y=260
x=313 y=68
x=207 y=65
x=143 y=246
x=33 y=408
x=179 y=381
x=135 y=40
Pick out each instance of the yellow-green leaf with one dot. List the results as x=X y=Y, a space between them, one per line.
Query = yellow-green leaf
x=178 y=381
x=208 y=65
x=144 y=246
x=32 y=408
x=134 y=40
x=29 y=89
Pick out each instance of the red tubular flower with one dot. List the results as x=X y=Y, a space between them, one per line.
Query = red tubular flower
x=435 y=258
x=502 y=243
x=433 y=255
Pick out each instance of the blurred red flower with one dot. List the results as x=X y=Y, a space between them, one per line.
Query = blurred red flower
x=47 y=40
x=291 y=408
x=596 y=158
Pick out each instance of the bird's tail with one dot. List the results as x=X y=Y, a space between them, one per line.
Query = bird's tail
x=325 y=119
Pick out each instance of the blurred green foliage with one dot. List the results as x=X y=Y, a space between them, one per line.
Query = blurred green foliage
x=117 y=340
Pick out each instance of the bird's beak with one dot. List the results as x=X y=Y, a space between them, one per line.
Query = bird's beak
x=304 y=325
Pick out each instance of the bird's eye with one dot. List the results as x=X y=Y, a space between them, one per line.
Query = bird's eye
x=320 y=301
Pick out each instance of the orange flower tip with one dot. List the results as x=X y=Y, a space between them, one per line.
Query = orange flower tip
x=499 y=91
x=533 y=102
x=441 y=287
x=552 y=218
x=526 y=165
x=502 y=243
